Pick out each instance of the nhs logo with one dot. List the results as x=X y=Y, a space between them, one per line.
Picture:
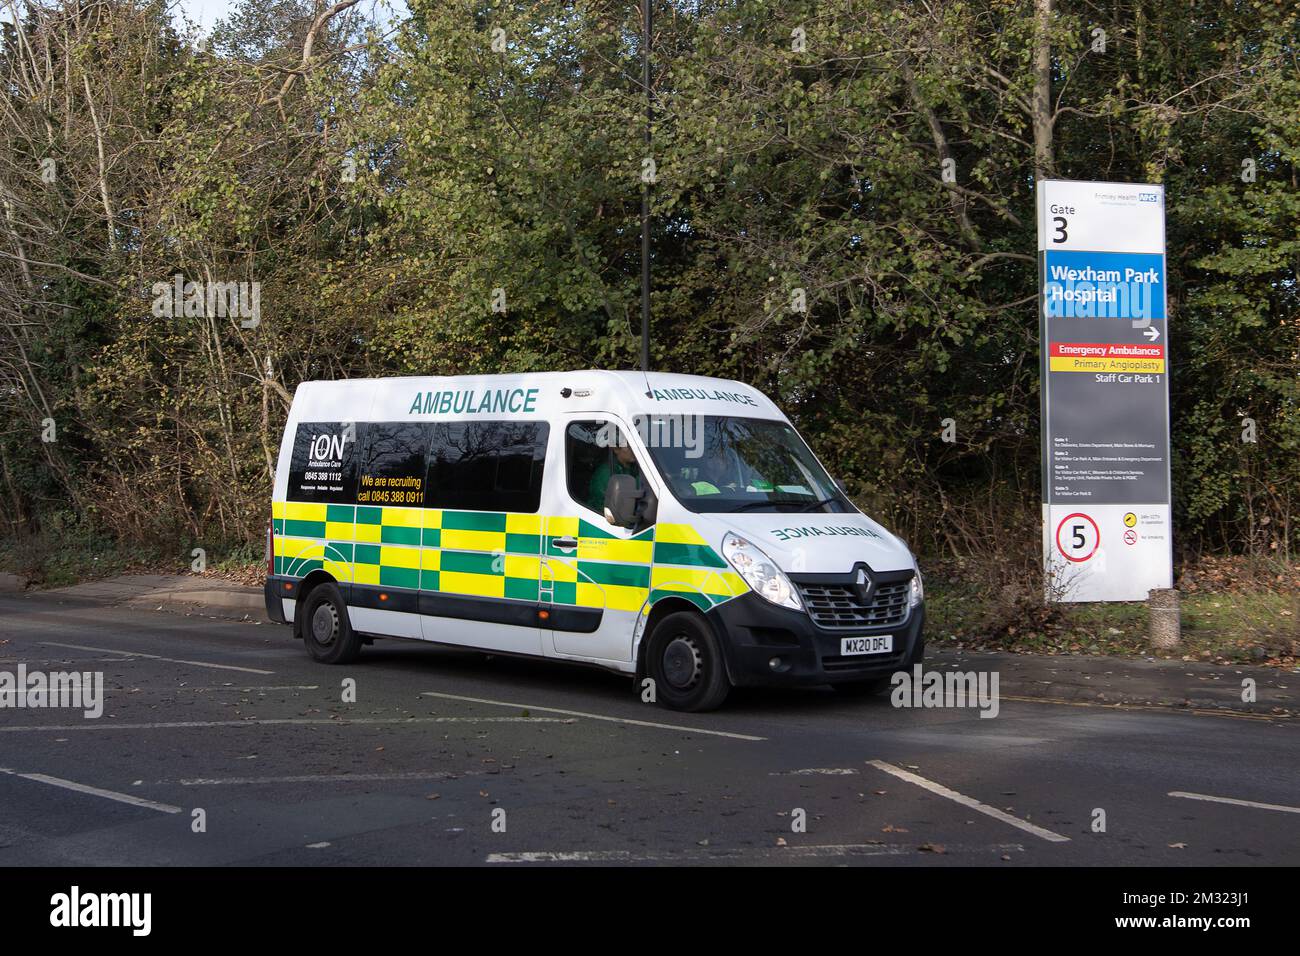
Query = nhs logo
x=1148 y=197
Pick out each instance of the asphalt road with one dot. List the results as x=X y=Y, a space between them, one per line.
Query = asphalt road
x=451 y=757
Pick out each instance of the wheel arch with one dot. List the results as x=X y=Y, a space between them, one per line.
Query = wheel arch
x=307 y=585
x=668 y=605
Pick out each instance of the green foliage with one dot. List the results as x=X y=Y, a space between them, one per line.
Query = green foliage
x=512 y=177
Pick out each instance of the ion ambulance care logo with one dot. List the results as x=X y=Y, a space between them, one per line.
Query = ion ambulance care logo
x=328 y=447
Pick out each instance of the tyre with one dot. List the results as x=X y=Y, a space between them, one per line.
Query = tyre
x=326 y=630
x=685 y=662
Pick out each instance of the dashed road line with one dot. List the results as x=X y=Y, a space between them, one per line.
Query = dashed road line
x=589 y=716
x=820 y=851
x=1233 y=801
x=328 y=778
x=970 y=802
x=234 y=687
x=61 y=660
x=815 y=772
x=93 y=791
x=156 y=657
x=282 y=721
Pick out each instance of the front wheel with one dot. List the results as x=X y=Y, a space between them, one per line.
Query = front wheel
x=685 y=662
x=326 y=630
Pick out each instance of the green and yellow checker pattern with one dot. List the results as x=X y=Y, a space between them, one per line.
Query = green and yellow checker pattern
x=499 y=555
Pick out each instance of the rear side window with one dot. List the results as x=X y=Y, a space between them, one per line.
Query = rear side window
x=487 y=466
x=324 y=462
x=392 y=466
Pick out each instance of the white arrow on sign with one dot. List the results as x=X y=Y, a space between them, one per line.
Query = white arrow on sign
x=1152 y=333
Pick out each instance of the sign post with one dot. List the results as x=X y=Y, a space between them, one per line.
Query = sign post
x=1105 y=390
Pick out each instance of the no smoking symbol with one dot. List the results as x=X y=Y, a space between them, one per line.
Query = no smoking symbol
x=1130 y=537
x=1077 y=537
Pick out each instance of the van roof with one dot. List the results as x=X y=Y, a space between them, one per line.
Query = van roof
x=527 y=395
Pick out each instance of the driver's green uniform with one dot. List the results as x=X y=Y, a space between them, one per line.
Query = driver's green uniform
x=600 y=479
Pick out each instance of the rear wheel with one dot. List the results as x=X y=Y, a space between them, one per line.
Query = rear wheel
x=685 y=662
x=326 y=630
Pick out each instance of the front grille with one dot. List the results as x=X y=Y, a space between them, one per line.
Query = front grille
x=836 y=606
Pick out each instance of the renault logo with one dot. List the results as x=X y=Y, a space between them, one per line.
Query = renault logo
x=863 y=586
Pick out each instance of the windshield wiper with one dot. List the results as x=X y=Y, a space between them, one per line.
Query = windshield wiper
x=777 y=503
x=820 y=504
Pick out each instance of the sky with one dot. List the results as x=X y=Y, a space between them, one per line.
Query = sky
x=207 y=12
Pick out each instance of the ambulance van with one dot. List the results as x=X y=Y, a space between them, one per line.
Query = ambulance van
x=671 y=527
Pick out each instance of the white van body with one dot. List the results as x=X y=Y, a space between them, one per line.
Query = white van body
x=466 y=511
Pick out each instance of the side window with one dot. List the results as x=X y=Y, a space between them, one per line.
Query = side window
x=392 y=466
x=487 y=466
x=324 y=462
x=593 y=451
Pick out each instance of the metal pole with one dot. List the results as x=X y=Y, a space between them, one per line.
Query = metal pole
x=645 y=192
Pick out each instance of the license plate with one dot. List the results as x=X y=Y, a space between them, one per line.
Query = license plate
x=876 y=644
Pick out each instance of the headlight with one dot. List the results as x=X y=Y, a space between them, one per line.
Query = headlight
x=918 y=590
x=759 y=572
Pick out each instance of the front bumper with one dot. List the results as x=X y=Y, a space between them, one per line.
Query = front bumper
x=753 y=631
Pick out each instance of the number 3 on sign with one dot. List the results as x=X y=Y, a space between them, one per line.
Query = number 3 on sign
x=1077 y=537
x=1059 y=224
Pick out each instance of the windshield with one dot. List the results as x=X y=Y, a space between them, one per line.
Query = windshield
x=742 y=464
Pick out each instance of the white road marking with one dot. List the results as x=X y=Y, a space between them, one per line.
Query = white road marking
x=1233 y=801
x=295 y=721
x=94 y=791
x=970 y=802
x=814 y=771
x=587 y=716
x=329 y=778
x=237 y=688
x=721 y=853
x=60 y=660
x=155 y=657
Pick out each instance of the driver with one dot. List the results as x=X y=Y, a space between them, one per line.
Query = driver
x=622 y=462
